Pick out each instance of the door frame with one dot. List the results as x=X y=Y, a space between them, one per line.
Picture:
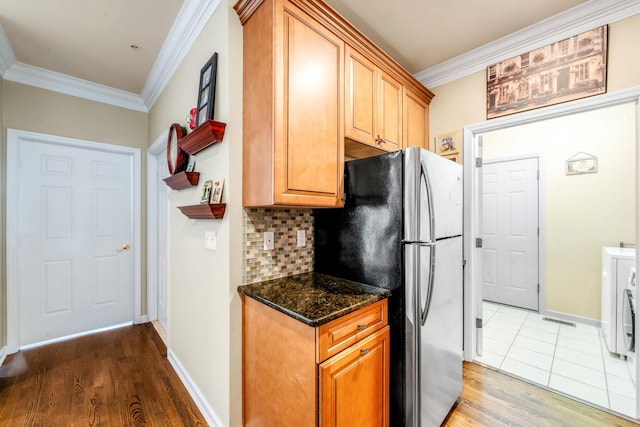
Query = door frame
x=14 y=136
x=152 y=225
x=542 y=308
x=473 y=195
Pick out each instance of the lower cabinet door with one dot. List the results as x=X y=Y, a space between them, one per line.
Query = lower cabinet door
x=354 y=384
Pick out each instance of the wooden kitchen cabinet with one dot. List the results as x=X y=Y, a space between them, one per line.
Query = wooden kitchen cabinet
x=373 y=111
x=354 y=384
x=317 y=91
x=415 y=121
x=293 y=125
x=335 y=374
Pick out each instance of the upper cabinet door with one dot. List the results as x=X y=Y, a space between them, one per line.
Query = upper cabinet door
x=309 y=159
x=360 y=88
x=389 y=112
x=416 y=121
x=373 y=112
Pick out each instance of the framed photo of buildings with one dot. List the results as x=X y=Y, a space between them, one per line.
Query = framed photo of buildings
x=563 y=71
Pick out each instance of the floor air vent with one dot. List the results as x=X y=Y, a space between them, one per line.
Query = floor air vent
x=562 y=322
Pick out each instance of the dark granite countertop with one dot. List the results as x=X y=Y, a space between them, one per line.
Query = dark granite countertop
x=314 y=298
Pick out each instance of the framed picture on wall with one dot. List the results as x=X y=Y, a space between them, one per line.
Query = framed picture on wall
x=447 y=143
x=207 y=90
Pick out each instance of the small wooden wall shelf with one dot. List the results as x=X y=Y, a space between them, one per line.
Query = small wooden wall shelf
x=181 y=180
x=206 y=134
x=204 y=210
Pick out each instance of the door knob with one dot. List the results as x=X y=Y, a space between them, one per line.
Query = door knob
x=124 y=247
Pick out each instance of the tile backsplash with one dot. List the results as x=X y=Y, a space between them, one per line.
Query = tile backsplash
x=286 y=259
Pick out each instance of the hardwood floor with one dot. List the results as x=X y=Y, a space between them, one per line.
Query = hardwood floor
x=491 y=398
x=123 y=378
x=115 y=378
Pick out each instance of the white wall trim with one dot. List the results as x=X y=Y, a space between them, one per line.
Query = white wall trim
x=581 y=18
x=152 y=224
x=191 y=19
x=571 y=318
x=196 y=394
x=62 y=83
x=14 y=136
x=473 y=218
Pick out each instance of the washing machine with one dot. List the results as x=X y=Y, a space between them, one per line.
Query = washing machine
x=616 y=266
x=629 y=322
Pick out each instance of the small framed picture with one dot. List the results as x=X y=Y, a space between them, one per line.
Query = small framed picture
x=191 y=165
x=207 y=90
x=216 y=195
x=447 y=143
x=206 y=191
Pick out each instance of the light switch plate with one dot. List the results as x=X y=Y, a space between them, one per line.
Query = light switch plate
x=302 y=238
x=268 y=240
x=210 y=240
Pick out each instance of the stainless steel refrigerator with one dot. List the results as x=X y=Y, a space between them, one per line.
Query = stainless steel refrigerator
x=401 y=229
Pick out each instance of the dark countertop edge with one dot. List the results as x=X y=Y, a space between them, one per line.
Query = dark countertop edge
x=326 y=319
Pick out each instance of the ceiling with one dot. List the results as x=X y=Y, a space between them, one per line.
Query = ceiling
x=94 y=43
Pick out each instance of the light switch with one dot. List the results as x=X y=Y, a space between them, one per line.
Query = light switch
x=268 y=240
x=302 y=238
x=210 y=240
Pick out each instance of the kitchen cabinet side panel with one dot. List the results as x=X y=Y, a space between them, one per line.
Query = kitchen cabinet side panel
x=280 y=378
x=258 y=123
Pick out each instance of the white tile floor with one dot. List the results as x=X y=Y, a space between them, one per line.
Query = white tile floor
x=572 y=360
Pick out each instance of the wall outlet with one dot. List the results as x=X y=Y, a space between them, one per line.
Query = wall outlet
x=302 y=238
x=268 y=240
x=210 y=240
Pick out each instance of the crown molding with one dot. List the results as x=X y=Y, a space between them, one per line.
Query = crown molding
x=584 y=17
x=191 y=20
x=7 y=58
x=62 y=83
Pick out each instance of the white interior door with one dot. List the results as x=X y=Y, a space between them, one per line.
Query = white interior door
x=74 y=217
x=163 y=172
x=510 y=232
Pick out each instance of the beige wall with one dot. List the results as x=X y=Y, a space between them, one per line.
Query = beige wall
x=463 y=102
x=204 y=306
x=43 y=111
x=583 y=213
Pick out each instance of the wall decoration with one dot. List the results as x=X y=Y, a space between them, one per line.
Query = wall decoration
x=216 y=195
x=206 y=191
x=207 y=90
x=447 y=143
x=563 y=71
x=581 y=163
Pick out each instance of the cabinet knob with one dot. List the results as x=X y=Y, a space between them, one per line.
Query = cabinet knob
x=364 y=351
x=362 y=327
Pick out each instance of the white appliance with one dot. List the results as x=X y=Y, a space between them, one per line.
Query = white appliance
x=401 y=229
x=629 y=322
x=616 y=266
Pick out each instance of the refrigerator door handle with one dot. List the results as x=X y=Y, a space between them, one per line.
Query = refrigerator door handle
x=432 y=223
x=424 y=312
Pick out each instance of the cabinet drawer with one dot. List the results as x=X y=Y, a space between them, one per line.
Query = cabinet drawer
x=343 y=332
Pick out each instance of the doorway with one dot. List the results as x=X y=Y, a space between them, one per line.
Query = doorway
x=473 y=179
x=72 y=237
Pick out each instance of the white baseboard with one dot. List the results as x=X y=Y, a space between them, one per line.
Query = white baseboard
x=210 y=416
x=571 y=318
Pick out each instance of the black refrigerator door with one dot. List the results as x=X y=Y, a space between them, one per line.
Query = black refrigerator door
x=363 y=240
